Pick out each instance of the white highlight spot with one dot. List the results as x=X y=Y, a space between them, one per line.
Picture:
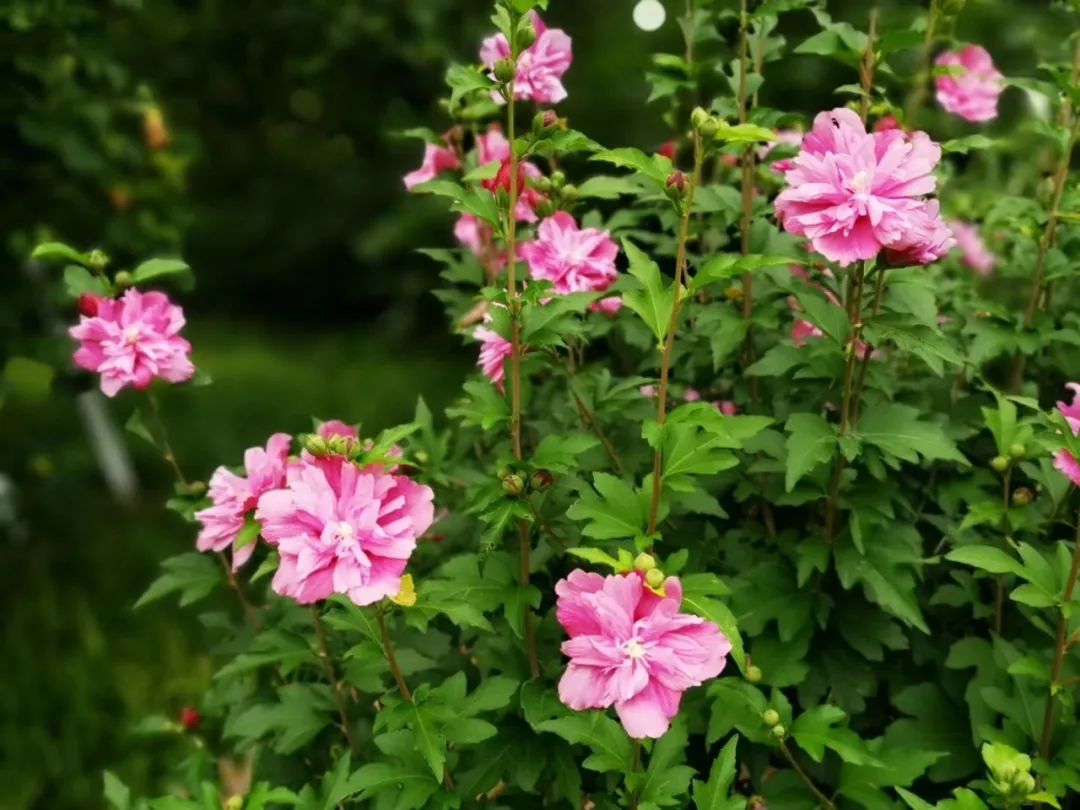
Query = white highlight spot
x=649 y=15
x=633 y=649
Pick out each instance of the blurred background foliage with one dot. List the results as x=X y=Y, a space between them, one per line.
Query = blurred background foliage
x=257 y=141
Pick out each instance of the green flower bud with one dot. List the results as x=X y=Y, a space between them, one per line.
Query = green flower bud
x=1017 y=450
x=770 y=717
x=1023 y=784
x=123 y=280
x=1022 y=497
x=541 y=480
x=698 y=117
x=316 y=445
x=1000 y=463
x=654 y=578
x=513 y=484
x=558 y=179
x=644 y=562
x=754 y=674
x=569 y=193
x=526 y=33
x=779 y=731
x=505 y=70
x=542 y=184
x=234 y=803
x=98 y=260
x=709 y=128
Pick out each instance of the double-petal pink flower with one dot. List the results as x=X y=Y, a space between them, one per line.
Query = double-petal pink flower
x=540 y=67
x=342 y=529
x=972 y=86
x=494 y=351
x=1064 y=461
x=854 y=193
x=234 y=496
x=437 y=159
x=132 y=340
x=574 y=259
x=633 y=649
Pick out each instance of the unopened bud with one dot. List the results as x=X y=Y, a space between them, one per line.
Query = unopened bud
x=234 y=803
x=558 y=179
x=754 y=674
x=1000 y=463
x=542 y=184
x=779 y=731
x=543 y=121
x=644 y=562
x=190 y=718
x=1022 y=497
x=676 y=181
x=98 y=260
x=513 y=484
x=698 y=117
x=756 y=803
x=1017 y=450
x=709 y=129
x=654 y=578
x=734 y=292
x=505 y=70
x=770 y=717
x=88 y=305
x=195 y=488
x=541 y=480
x=1023 y=784
x=569 y=193
x=317 y=445
x=545 y=208
x=526 y=33
x=123 y=280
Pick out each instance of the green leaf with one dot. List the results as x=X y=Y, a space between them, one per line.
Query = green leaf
x=79 y=280
x=811 y=441
x=596 y=557
x=962 y=146
x=654 y=300
x=116 y=792
x=925 y=343
x=157 y=269
x=896 y=429
x=656 y=168
x=666 y=779
x=412 y=785
x=561 y=453
x=614 y=510
x=58 y=251
x=192 y=575
x=713 y=794
x=611 y=748
x=602 y=187
x=300 y=714
x=464 y=80
x=991 y=559
x=726 y=266
x=470 y=200
x=743 y=133
x=27 y=379
x=816 y=729
x=429 y=741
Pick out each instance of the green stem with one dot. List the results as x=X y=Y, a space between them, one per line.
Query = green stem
x=335 y=684
x=1060 y=647
x=823 y=800
x=391 y=658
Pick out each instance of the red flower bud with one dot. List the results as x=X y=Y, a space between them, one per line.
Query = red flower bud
x=886 y=123
x=677 y=181
x=668 y=149
x=88 y=305
x=190 y=718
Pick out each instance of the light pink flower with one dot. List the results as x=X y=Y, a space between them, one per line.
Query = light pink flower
x=1064 y=461
x=974 y=252
x=927 y=239
x=437 y=159
x=493 y=146
x=647 y=391
x=726 y=407
x=973 y=89
x=632 y=649
x=691 y=395
x=342 y=529
x=133 y=340
x=853 y=193
x=494 y=350
x=573 y=259
x=802 y=331
x=335 y=427
x=784 y=137
x=234 y=496
x=540 y=67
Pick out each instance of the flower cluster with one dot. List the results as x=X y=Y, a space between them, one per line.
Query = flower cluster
x=854 y=194
x=574 y=259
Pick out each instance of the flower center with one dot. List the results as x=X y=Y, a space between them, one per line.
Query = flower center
x=860 y=183
x=132 y=334
x=344 y=530
x=634 y=649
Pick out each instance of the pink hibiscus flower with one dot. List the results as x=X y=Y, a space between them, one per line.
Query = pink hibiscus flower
x=494 y=350
x=342 y=529
x=1064 y=461
x=972 y=88
x=540 y=67
x=234 y=496
x=726 y=407
x=632 y=649
x=928 y=239
x=573 y=259
x=437 y=159
x=132 y=340
x=784 y=137
x=854 y=193
x=493 y=146
x=974 y=252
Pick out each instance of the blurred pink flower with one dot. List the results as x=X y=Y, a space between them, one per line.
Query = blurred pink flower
x=853 y=193
x=540 y=67
x=234 y=496
x=133 y=340
x=691 y=395
x=648 y=391
x=574 y=259
x=885 y=123
x=784 y=137
x=437 y=159
x=726 y=407
x=341 y=529
x=632 y=648
x=972 y=89
x=493 y=146
x=974 y=252
x=494 y=349
x=1064 y=461
x=802 y=331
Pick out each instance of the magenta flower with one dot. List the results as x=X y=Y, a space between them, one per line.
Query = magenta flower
x=802 y=331
x=927 y=240
x=972 y=88
x=234 y=496
x=784 y=137
x=854 y=193
x=726 y=407
x=632 y=649
x=494 y=349
x=691 y=395
x=437 y=159
x=341 y=529
x=133 y=340
x=1064 y=461
x=974 y=252
x=540 y=67
x=493 y=146
x=573 y=259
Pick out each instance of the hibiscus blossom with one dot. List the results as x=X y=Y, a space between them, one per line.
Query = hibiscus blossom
x=633 y=649
x=854 y=193
x=574 y=259
x=493 y=146
x=494 y=349
x=540 y=67
x=437 y=159
x=972 y=86
x=1064 y=461
x=342 y=529
x=235 y=496
x=132 y=340
x=974 y=252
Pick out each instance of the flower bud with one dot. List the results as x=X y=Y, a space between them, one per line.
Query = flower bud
x=779 y=731
x=123 y=280
x=526 y=33
x=98 y=260
x=1022 y=497
x=734 y=292
x=505 y=70
x=558 y=179
x=676 y=181
x=756 y=803
x=88 y=305
x=190 y=718
x=709 y=129
x=1000 y=463
x=317 y=445
x=544 y=121
x=234 y=803
x=654 y=578
x=545 y=208
x=1017 y=450
x=770 y=717
x=513 y=484
x=542 y=184
x=541 y=480
x=754 y=674
x=195 y=488
x=698 y=117
x=644 y=562
x=569 y=193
